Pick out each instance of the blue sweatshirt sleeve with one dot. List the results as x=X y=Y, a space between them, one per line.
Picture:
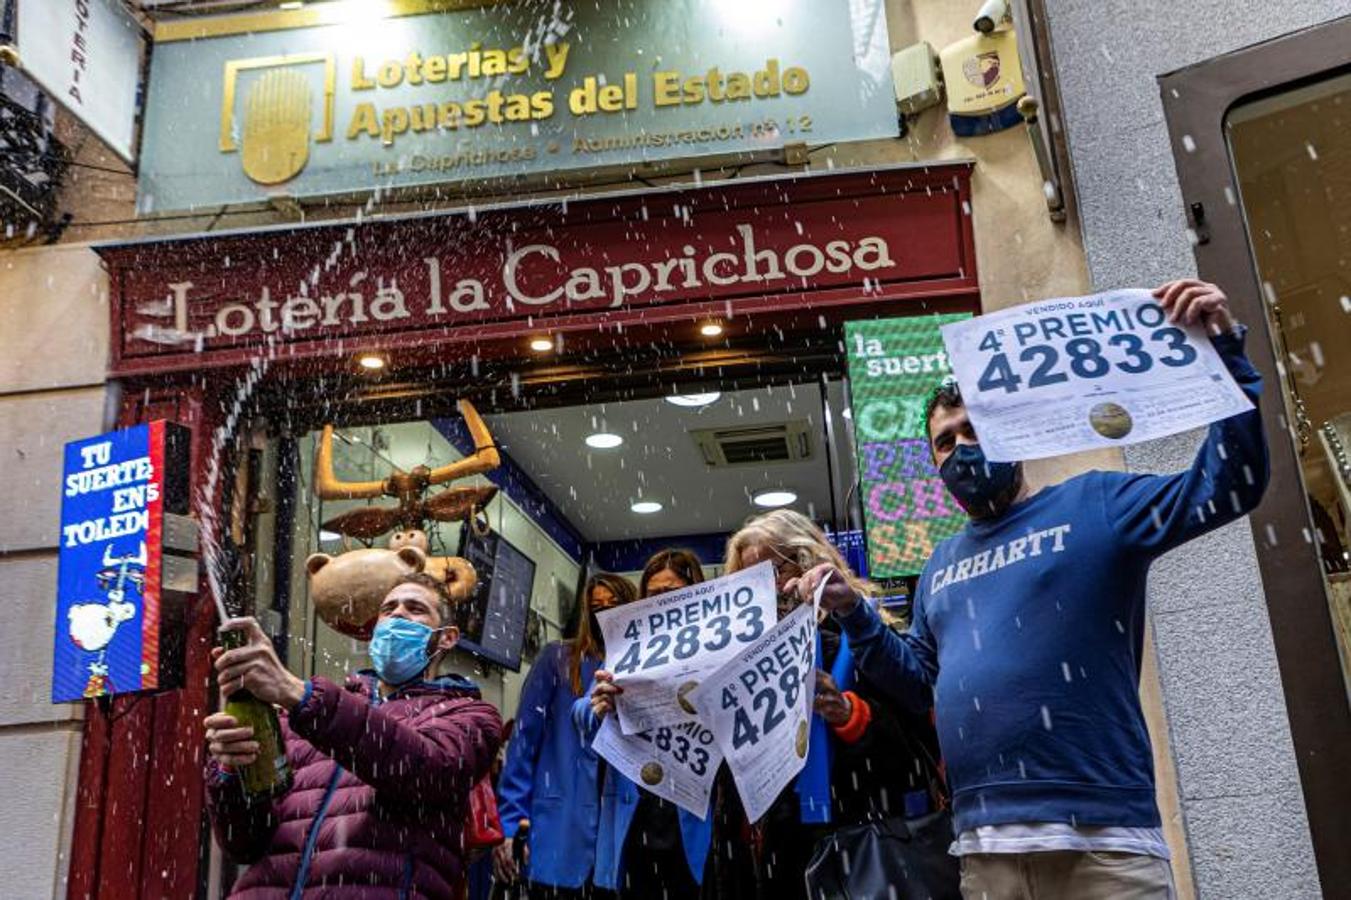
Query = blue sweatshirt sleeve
x=583 y=718
x=1155 y=513
x=516 y=785
x=901 y=666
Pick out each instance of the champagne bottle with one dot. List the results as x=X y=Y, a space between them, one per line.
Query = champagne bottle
x=270 y=774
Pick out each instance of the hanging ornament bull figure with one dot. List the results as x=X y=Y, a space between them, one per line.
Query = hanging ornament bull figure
x=347 y=589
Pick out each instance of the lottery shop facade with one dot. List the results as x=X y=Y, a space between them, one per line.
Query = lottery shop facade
x=209 y=330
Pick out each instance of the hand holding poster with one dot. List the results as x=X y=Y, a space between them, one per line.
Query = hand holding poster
x=1079 y=373
x=660 y=648
x=676 y=763
x=759 y=706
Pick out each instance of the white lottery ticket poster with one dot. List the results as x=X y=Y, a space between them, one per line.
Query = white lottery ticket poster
x=1059 y=376
x=659 y=649
x=676 y=763
x=759 y=706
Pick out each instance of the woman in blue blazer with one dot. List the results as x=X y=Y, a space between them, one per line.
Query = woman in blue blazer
x=550 y=777
x=645 y=846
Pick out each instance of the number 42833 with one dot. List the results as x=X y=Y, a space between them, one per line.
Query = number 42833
x=1085 y=358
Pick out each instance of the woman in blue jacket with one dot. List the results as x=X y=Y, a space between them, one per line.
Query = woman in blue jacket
x=550 y=777
x=647 y=847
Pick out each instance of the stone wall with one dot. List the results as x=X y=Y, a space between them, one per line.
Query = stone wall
x=53 y=356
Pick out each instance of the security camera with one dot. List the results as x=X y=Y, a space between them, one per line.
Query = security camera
x=993 y=13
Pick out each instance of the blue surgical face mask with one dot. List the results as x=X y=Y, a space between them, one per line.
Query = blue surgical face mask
x=984 y=489
x=401 y=649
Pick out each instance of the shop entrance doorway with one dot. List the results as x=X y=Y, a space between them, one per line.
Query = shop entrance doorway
x=257 y=340
x=580 y=488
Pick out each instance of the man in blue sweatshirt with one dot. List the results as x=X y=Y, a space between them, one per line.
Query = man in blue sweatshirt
x=1027 y=629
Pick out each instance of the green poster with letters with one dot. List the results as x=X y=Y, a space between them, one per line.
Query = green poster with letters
x=894 y=364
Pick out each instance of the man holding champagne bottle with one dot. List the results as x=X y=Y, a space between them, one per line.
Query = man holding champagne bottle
x=373 y=788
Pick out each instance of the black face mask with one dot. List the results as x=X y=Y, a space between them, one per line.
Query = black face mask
x=984 y=489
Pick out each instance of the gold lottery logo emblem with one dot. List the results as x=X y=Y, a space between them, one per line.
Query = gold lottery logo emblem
x=1110 y=420
x=801 y=743
x=682 y=697
x=272 y=126
x=651 y=774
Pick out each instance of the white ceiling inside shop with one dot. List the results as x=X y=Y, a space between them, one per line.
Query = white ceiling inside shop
x=659 y=460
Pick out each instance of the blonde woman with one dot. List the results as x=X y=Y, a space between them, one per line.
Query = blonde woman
x=865 y=757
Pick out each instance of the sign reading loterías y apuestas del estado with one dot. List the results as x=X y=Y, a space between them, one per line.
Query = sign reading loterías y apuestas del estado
x=329 y=99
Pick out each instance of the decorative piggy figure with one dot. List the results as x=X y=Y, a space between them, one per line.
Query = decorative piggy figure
x=347 y=589
x=458 y=575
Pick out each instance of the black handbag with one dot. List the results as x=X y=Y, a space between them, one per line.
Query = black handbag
x=887 y=859
x=891 y=858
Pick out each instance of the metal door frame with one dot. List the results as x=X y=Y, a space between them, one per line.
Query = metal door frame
x=1196 y=101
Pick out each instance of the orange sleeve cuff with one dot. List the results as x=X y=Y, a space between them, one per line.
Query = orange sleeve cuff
x=860 y=716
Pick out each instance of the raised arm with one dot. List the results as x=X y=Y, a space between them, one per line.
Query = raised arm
x=432 y=763
x=900 y=666
x=905 y=666
x=1155 y=513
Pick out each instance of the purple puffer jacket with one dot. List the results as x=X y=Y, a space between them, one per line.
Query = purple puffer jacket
x=390 y=820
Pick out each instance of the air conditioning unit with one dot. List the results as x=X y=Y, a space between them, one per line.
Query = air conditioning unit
x=754 y=444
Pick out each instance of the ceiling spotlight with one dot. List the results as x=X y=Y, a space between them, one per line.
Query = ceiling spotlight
x=602 y=440
x=646 y=507
x=774 y=498
x=541 y=344
x=372 y=362
x=693 y=399
x=712 y=329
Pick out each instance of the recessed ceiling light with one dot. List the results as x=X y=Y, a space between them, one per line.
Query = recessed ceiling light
x=773 y=498
x=373 y=362
x=694 y=399
x=603 y=440
x=646 y=507
x=541 y=344
x=712 y=329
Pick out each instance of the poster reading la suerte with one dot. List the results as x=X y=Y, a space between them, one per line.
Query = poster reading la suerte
x=894 y=364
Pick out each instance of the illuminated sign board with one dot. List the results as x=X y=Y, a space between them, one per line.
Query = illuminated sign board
x=833 y=243
x=112 y=613
x=894 y=364
x=331 y=100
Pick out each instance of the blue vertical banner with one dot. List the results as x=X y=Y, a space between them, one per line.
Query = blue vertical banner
x=108 y=586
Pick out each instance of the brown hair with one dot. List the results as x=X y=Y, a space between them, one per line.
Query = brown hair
x=946 y=395
x=586 y=643
x=445 y=606
x=682 y=562
x=794 y=538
